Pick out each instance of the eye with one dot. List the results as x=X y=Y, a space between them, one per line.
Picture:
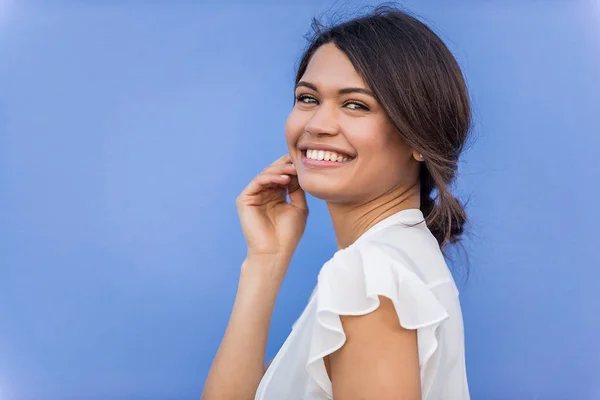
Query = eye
x=305 y=99
x=356 y=106
x=353 y=105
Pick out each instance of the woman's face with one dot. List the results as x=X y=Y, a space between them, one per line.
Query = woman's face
x=336 y=118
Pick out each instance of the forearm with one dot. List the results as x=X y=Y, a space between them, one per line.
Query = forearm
x=239 y=364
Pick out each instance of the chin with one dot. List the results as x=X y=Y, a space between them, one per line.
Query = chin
x=323 y=189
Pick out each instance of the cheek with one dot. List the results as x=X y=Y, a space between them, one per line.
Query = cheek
x=396 y=157
x=368 y=139
x=293 y=129
x=382 y=155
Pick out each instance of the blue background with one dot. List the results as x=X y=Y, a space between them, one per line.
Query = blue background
x=127 y=129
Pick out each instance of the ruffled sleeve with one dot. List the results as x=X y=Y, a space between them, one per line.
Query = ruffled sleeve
x=350 y=283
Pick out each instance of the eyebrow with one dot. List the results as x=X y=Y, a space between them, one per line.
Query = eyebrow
x=341 y=91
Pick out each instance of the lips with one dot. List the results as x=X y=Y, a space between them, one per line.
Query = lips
x=318 y=149
x=321 y=155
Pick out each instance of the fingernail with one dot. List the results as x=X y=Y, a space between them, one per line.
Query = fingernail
x=293 y=166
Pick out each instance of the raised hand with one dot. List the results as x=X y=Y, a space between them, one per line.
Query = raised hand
x=273 y=224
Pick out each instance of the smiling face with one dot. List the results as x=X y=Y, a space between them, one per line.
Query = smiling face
x=335 y=117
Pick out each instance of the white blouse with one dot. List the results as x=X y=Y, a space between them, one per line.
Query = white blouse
x=393 y=260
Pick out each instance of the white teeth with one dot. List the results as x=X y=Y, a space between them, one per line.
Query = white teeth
x=325 y=155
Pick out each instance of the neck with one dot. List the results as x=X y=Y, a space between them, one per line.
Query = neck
x=350 y=221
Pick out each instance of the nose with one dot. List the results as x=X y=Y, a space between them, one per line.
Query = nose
x=322 y=123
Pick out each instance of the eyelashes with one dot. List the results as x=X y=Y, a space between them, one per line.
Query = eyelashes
x=303 y=97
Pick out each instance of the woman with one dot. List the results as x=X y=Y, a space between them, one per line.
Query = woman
x=380 y=118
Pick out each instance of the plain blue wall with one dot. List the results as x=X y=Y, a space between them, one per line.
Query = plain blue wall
x=128 y=129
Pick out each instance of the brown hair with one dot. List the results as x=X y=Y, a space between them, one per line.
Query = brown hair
x=419 y=84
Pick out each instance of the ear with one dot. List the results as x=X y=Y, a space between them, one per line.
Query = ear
x=418 y=156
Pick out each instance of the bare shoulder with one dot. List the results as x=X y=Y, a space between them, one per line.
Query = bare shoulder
x=379 y=359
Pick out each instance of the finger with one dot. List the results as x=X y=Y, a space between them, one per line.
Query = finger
x=285 y=159
x=264 y=180
x=296 y=194
x=280 y=169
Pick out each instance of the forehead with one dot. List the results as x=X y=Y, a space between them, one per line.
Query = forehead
x=329 y=67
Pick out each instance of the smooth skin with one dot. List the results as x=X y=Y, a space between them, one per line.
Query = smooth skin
x=379 y=360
